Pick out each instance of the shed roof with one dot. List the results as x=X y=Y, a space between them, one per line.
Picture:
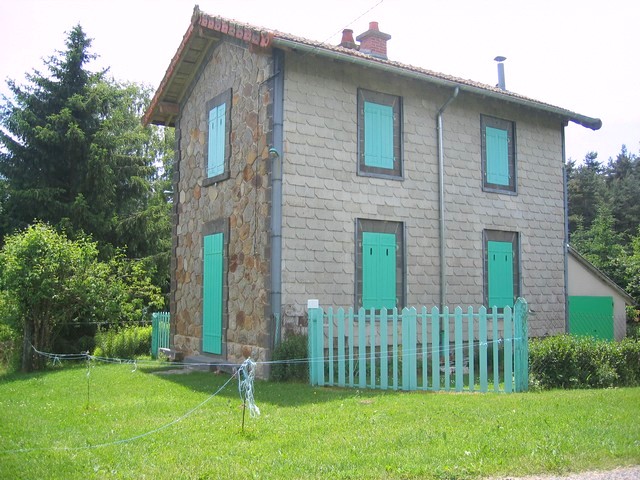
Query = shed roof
x=601 y=275
x=205 y=30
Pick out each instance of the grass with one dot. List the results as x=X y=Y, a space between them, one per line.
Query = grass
x=51 y=428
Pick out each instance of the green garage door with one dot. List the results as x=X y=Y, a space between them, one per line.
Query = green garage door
x=592 y=316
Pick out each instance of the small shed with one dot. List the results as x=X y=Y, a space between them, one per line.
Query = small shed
x=596 y=303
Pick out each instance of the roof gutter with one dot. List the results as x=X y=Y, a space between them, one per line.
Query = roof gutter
x=585 y=121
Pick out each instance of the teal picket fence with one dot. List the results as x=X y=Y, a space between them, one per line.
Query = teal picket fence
x=420 y=350
x=160 y=330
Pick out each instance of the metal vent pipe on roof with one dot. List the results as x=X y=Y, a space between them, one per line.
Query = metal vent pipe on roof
x=501 y=84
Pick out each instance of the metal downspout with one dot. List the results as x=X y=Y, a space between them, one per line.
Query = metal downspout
x=443 y=248
x=565 y=192
x=275 y=154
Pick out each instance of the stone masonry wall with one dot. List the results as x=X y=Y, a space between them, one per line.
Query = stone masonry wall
x=239 y=204
x=323 y=195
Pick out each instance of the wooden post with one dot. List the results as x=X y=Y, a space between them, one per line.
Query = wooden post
x=315 y=334
x=521 y=344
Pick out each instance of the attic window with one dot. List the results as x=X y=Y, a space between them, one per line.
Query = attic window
x=217 y=143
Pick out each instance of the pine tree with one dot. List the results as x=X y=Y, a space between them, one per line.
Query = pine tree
x=75 y=154
x=623 y=184
x=586 y=189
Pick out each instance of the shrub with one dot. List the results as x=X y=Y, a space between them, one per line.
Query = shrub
x=9 y=348
x=53 y=289
x=293 y=353
x=566 y=361
x=126 y=342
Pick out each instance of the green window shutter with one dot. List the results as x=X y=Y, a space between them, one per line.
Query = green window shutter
x=212 y=294
x=497 y=156
x=378 y=135
x=217 y=140
x=378 y=270
x=500 y=274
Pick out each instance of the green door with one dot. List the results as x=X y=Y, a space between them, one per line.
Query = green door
x=212 y=294
x=500 y=274
x=591 y=316
x=378 y=270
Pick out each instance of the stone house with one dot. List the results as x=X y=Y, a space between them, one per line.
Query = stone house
x=306 y=170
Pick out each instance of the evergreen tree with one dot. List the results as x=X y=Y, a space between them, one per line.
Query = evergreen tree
x=623 y=185
x=75 y=154
x=586 y=190
x=602 y=245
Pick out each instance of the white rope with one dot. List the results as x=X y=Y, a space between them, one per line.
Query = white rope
x=246 y=375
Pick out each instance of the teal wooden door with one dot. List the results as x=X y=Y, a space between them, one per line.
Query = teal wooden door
x=212 y=294
x=591 y=316
x=378 y=270
x=500 y=274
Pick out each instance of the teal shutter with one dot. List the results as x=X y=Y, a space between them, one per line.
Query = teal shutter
x=378 y=270
x=212 y=294
x=378 y=135
x=217 y=140
x=497 y=156
x=500 y=274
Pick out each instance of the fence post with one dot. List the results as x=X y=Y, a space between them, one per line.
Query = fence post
x=521 y=344
x=154 y=335
x=315 y=330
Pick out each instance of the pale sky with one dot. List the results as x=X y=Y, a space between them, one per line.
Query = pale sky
x=582 y=55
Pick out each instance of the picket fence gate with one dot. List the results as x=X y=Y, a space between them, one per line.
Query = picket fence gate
x=420 y=350
x=160 y=329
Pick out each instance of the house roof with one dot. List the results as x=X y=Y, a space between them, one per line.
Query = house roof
x=205 y=30
x=601 y=275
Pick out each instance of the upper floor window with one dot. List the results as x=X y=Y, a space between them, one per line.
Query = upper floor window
x=218 y=146
x=379 y=134
x=498 y=154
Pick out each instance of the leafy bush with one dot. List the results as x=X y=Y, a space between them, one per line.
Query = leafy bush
x=566 y=361
x=50 y=285
x=126 y=342
x=9 y=348
x=293 y=353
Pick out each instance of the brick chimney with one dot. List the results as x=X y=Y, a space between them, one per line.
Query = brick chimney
x=373 y=42
x=347 y=39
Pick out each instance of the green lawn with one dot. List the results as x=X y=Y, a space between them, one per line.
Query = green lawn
x=48 y=430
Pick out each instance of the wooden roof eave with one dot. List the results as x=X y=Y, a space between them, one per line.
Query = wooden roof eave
x=165 y=105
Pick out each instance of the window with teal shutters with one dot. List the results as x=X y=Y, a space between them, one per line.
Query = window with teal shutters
x=217 y=140
x=217 y=148
x=378 y=135
x=497 y=156
x=378 y=270
x=212 y=293
x=500 y=274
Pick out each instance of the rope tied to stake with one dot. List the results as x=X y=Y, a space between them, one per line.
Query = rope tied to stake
x=246 y=375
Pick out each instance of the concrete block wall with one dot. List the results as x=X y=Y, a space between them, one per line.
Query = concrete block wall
x=240 y=203
x=323 y=195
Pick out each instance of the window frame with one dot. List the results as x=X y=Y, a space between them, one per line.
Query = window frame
x=380 y=226
x=506 y=237
x=509 y=126
x=395 y=102
x=223 y=98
